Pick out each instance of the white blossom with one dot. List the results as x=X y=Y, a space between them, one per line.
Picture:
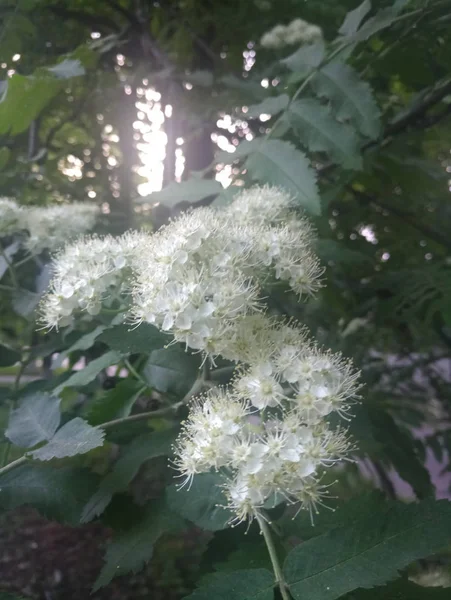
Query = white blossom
x=11 y=217
x=296 y=32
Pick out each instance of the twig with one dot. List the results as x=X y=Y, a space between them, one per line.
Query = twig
x=274 y=559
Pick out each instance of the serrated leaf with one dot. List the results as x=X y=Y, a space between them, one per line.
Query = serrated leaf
x=381 y=20
x=90 y=372
x=58 y=494
x=354 y=18
x=138 y=340
x=280 y=163
x=368 y=553
x=320 y=132
x=126 y=468
x=67 y=68
x=115 y=403
x=269 y=106
x=75 y=437
x=305 y=59
x=171 y=370
x=402 y=590
x=201 y=503
x=253 y=584
x=191 y=190
x=35 y=421
x=241 y=151
x=129 y=551
x=351 y=98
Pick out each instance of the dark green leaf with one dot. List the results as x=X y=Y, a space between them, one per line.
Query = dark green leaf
x=255 y=584
x=139 y=340
x=8 y=356
x=280 y=163
x=140 y=450
x=369 y=552
x=172 y=370
x=35 y=421
x=402 y=590
x=129 y=551
x=86 y=341
x=90 y=372
x=58 y=494
x=384 y=18
x=202 y=502
x=75 y=437
x=320 y=132
x=115 y=403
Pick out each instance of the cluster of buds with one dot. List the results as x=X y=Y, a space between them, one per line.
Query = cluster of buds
x=297 y=32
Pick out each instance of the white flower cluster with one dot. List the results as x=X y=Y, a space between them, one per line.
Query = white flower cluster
x=87 y=273
x=48 y=227
x=296 y=32
x=198 y=276
x=268 y=434
x=11 y=215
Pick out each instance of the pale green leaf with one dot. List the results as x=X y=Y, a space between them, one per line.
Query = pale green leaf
x=67 y=68
x=86 y=341
x=201 y=78
x=320 y=132
x=58 y=494
x=354 y=18
x=130 y=550
x=191 y=190
x=305 y=59
x=143 y=448
x=270 y=106
x=75 y=437
x=35 y=421
x=90 y=372
x=369 y=552
x=253 y=584
x=201 y=502
x=381 y=20
x=280 y=163
x=351 y=97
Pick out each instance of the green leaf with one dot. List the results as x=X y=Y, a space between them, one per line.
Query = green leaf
x=201 y=502
x=129 y=551
x=305 y=59
x=5 y=153
x=75 y=437
x=338 y=253
x=201 y=78
x=384 y=18
x=90 y=372
x=24 y=99
x=354 y=18
x=369 y=552
x=6 y=596
x=8 y=356
x=351 y=98
x=190 y=191
x=402 y=589
x=139 y=340
x=58 y=494
x=24 y=302
x=126 y=468
x=171 y=370
x=86 y=341
x=254 y=584
x=280 y=163
x=115 y=403
x=67 y=68
x=270 y=106
x=35 y=421
x=320 y=132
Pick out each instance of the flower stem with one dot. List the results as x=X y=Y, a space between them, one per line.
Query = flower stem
x=273 y=556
